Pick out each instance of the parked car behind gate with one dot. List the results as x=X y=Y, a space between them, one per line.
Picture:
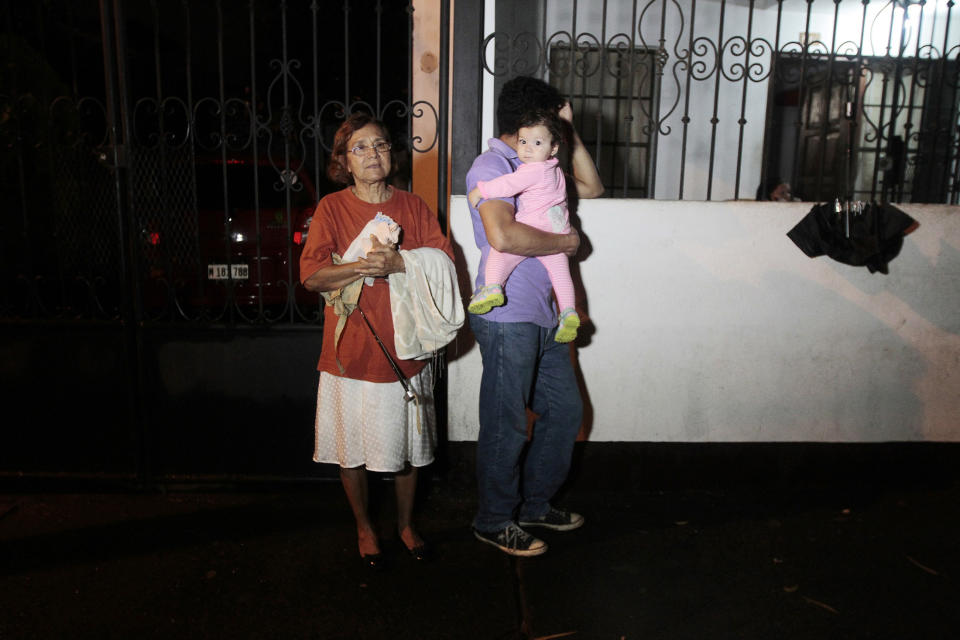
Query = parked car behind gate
x=242 y=247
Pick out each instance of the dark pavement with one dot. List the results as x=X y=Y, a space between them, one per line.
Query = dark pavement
x=747 y=562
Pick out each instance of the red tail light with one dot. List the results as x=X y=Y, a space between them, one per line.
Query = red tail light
x=299 y=237
x=153 y=238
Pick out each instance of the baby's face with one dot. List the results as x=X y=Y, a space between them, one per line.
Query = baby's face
x=535 y=144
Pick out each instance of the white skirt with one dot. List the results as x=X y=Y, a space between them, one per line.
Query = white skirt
x=369 y=423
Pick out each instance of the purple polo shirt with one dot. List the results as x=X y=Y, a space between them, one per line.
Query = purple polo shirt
x=528 y=291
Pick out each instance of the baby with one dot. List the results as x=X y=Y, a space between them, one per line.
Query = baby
x=541 y=193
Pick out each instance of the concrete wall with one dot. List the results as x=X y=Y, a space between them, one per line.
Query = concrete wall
x=709 y=325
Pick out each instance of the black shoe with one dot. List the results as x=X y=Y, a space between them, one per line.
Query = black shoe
x=512 y=540
x=556 y=519
x=374 y=561
x=420 y=553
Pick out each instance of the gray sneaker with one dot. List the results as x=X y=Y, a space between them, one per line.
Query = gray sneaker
x=556 y=519
x=512 y=540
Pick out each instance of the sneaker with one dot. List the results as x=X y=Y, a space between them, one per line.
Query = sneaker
x=569 y=323
x=556 y=519
x=487 y=297
x=512 y=540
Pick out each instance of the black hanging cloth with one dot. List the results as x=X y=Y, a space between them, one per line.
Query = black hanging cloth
x=869 y=235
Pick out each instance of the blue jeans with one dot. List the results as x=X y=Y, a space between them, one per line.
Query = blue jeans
x=522 y=366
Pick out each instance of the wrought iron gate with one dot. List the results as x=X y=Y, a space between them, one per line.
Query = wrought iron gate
x=165 y=154
x=161 y=159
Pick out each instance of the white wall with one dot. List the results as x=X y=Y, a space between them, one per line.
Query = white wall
x=710 y=325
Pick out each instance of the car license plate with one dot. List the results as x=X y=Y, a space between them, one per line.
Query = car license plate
x=228 y=272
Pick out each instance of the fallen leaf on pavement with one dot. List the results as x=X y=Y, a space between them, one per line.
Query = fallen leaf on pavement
x=924 y=567
x=821 y=605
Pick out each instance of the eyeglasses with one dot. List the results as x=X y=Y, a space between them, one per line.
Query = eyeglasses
x=377 y=149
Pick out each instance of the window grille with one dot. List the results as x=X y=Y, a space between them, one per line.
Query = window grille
x=613 y=107
x=842 y=98
x=150 y=147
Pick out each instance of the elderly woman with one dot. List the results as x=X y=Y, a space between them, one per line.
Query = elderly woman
x=364 y=422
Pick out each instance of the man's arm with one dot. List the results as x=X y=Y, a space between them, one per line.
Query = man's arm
x=507 y=235
x=585 y=174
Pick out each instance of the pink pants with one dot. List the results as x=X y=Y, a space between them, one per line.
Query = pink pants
x=501 y=265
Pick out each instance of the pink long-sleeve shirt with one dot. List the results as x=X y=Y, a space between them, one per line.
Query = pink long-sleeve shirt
x=538 y=187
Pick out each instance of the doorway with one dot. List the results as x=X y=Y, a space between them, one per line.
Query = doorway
x=863 y=128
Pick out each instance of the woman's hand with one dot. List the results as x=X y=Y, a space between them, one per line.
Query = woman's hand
x=381 y=260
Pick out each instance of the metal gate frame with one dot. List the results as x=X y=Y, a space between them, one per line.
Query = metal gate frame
x=121 y=156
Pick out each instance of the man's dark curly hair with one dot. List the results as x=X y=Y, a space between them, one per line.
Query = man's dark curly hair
x=546 y=117
x=523 y=94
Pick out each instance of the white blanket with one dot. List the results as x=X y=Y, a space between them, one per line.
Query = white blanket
x=383 y=228
x=426 y=304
